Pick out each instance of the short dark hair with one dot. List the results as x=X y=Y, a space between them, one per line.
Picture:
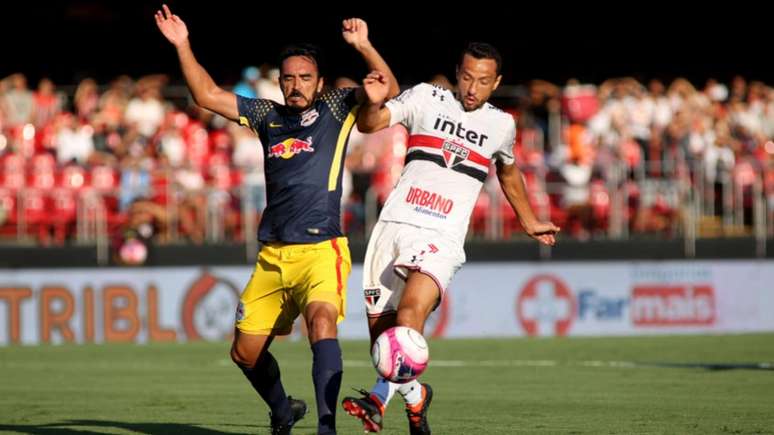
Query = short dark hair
x=482 y=50
x=306 y=50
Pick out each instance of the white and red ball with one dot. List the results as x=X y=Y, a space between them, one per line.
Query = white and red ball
x=133 y=252
x=400 y=354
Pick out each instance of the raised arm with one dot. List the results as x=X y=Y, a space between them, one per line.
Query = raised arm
x=355 y=33
x=204 y=90
x=512 y=184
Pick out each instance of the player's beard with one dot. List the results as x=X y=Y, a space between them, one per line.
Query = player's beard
x=308 y=104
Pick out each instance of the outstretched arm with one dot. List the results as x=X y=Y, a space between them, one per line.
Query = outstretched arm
x=515 y=192
x=355 y=33
x=204 y=90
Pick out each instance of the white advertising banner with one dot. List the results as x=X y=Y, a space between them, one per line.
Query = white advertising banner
x=484 y=300
x=613 y=298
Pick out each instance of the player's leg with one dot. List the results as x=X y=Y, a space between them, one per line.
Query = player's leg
x=428 y=261
x=321 y=294
x=420 y=297
x=382 y=293
x=369 y=408
x=383 y=390
x=265 y=311
x=251 y=354
x=326 y=362
x=400 y=256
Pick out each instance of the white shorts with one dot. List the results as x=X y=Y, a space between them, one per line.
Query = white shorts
x=394 y=249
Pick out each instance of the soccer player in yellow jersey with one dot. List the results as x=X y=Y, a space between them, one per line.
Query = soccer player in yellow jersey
x=304 y=260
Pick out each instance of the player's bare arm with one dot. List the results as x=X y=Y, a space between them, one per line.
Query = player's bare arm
x=512 y=184
x=204 y=90
x=355 y=33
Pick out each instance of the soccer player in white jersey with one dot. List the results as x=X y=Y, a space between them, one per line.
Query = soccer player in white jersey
x=417 y=245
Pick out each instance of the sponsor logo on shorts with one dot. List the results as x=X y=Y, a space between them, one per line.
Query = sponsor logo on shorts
x=431 y=248
x=240 y=311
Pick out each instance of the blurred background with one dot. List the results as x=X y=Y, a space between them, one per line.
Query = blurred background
x=643 y=127
x=645 y=131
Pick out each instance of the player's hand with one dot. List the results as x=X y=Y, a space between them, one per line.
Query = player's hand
x=543 y=232
x=171 y=26
x=355 y=32
x=376 y=87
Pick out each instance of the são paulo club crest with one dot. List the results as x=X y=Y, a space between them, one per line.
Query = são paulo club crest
x=454 y=154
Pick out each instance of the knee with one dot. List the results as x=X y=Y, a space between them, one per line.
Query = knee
x=321 y=327
x=242 y=358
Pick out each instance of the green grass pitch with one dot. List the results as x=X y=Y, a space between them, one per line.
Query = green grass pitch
x=497 y=386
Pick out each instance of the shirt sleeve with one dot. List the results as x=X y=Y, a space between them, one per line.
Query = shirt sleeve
x=505 y=153
x=404 y=108
x=253 y=111
x=340 y=101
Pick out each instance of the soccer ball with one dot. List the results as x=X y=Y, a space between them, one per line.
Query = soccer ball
x=133 y=252
x=400 y=354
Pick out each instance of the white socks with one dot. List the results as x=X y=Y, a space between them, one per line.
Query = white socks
x=384 y=390
x=411 y=392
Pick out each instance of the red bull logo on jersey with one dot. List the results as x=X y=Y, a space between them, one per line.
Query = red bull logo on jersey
x=454 y=154
x=429 y=202
x=290 y=147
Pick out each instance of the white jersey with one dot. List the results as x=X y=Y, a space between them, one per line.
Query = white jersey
x=447 y=159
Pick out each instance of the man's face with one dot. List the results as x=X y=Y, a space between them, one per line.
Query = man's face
x=476 y=80
x=300 y=82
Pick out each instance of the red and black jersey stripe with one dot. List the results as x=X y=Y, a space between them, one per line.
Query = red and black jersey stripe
x=416 y=142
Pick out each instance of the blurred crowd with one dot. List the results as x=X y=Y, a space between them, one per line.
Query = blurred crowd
x=653 y=146
x=621 y=153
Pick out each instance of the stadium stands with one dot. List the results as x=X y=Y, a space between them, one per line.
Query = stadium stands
x=614 y=160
